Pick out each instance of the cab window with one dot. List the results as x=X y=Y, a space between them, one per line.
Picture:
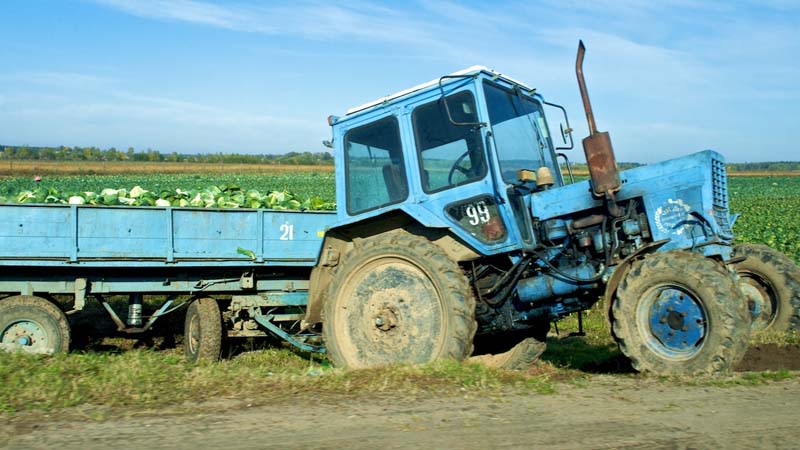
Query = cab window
x=374 y=166
x=450 y=155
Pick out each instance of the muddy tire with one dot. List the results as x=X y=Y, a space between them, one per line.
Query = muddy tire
x=33 y=324
x=397 y=299
x=514 y=350
x=770 y=282
x=202 y=338
x=680 y=313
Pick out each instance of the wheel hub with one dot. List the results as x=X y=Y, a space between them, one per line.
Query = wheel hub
x=24 y=333
x=386 y=318
x=677 y=320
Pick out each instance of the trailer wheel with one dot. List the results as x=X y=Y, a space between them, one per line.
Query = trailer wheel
x=33 y=324
x=680 y=313
x=513 y=350
x=770 y=282
x=202 y=337
x=398 y=299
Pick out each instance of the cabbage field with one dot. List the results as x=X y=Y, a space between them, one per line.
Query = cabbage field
x=769 y=205
x=770 y=211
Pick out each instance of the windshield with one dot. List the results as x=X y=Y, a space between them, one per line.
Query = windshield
x=520 y=132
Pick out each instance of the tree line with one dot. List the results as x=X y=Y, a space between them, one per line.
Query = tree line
x=770 y=166
x=66 y=153
x=767 y=166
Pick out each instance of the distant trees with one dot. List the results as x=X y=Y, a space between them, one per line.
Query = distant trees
x=65 y=153
x=767 y=166
x=772 y=166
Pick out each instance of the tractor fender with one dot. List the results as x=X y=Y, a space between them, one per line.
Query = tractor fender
x=333 y=247
x=622 y=270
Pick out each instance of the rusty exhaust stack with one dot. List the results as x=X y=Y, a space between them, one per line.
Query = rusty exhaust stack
x=597 y=147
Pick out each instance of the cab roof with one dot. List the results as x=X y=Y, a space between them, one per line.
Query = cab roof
x=474 y=70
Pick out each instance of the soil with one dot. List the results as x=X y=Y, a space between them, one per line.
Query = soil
x=770 y=357
x=604 y=412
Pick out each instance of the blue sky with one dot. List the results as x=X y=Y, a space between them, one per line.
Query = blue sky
x=665 y=78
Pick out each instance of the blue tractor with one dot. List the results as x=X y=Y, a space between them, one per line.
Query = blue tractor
x=456 y=235
x=459 y=235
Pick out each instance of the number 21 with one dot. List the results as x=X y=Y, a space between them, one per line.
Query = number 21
x=287 y=231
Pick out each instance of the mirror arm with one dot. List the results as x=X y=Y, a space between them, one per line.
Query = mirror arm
x=568 y=131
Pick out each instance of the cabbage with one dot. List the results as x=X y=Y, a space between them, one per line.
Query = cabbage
x=226 y=196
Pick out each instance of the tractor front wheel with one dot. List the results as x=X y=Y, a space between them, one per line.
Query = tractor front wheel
x=680 y=313
x=770 y=282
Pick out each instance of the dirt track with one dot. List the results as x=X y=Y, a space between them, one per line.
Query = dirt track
x=608 y=412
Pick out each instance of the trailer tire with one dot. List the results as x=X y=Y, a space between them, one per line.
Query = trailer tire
x=512 y=350
x=398 y=299
x=770 y=281
x=33 y=324
x=202 y=337
x=680 y=313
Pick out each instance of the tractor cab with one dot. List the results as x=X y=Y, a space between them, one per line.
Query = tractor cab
x=460 y=152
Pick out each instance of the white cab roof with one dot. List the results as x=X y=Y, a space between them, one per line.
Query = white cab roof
x=419 y=87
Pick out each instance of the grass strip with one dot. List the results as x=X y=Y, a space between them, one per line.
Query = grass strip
x=146 y=378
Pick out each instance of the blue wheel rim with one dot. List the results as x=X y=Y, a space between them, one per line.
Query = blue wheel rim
x=25 y=333
x=674 y=321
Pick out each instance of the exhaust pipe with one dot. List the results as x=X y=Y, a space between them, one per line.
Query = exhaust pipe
x=597 y=147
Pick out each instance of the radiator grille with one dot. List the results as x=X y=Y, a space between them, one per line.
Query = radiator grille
x=719 y=184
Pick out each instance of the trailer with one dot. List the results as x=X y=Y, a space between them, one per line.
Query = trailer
x=456 y=234
x=252 y=258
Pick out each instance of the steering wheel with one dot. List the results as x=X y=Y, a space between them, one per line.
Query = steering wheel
x=457 y=167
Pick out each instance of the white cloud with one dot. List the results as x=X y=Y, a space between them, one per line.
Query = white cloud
x=188 y=11
x=45 y=113
x=316 y=20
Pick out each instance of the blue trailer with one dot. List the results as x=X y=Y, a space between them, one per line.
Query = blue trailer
x=456 y=235
x=253 y=257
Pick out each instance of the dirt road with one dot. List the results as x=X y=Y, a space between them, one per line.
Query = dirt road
x=607 y=412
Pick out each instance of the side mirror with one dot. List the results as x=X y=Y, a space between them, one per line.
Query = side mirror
x=566 y=130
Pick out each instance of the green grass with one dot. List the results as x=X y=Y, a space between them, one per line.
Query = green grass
x=779 y=338
x=145 y=378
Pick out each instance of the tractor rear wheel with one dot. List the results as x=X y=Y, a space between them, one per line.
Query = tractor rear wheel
x=398 y=299
x=771 y=283
x=202 y=337
x=680 y=313
x=33 y=324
